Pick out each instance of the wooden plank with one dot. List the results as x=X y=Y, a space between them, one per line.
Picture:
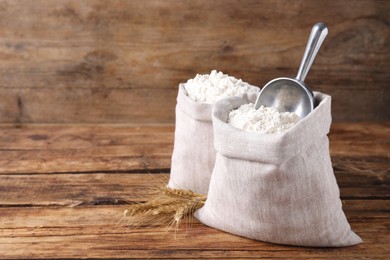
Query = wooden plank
x=360 y=139
x=75 y=148
x=125 y=147
x=87 y=105
x=74 y=189
x=147 y=105
x=93 y=231
x=364 y=169
x=91 y=189
x=121 y=61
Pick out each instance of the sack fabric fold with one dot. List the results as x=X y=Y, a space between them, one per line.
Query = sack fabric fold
x=278 y=188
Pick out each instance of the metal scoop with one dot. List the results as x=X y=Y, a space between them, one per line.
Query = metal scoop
x=293 y=95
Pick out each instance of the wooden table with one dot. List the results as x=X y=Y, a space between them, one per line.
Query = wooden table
x=63 y=190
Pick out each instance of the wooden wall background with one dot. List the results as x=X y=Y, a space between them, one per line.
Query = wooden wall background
x=94 y=61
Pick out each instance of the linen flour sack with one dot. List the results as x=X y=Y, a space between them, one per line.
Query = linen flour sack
x=194 y=154
x=278 y=188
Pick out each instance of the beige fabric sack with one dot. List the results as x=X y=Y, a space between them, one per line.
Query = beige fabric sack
x=193 y=154
x=278 y=188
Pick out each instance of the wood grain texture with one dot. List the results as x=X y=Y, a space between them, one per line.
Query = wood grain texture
x=123 y=148
x=94 y=232
x=85 y=148
x=102 y=189
x=117 y=61
x=56 y=201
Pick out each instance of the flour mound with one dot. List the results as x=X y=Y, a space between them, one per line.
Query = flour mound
x=266 y=120
x=209 y=88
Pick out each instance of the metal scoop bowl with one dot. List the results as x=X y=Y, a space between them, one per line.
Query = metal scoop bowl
x=293 y=95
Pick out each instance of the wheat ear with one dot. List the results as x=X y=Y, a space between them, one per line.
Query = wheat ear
x=168 y=206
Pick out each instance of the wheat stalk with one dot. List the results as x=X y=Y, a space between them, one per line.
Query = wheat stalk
x=168 y=206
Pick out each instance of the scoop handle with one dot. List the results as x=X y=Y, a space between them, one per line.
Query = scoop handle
x=317 y=36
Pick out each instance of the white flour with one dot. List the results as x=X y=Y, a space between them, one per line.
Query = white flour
x=210 y=88
x=263 y=120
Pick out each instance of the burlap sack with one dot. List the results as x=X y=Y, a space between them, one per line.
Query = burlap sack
x=278 y=188
x=193 y=154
